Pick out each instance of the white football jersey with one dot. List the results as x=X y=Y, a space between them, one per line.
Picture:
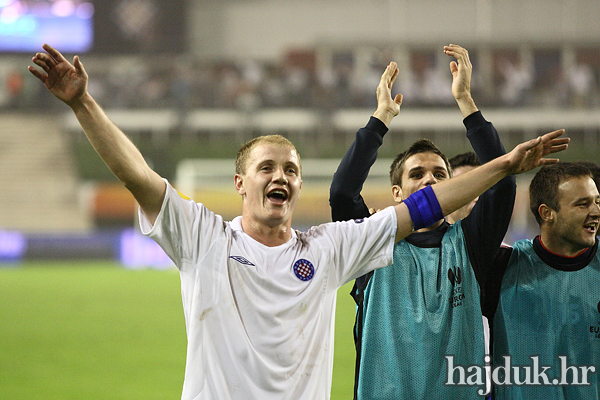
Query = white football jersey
x=260 y=320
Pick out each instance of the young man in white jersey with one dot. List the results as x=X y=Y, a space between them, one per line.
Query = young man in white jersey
x=258 y=296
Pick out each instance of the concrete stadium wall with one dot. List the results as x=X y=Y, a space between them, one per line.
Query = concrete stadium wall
x=39 y=186
x=265 y=29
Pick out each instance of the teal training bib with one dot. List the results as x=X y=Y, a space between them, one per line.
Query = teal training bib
x=548 y=318
x=422 y=308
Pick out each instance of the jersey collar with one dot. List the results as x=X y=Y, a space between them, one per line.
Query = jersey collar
x=564 y=263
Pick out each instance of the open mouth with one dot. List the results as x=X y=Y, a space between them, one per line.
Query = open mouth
x=278 y=196
x=591 y=227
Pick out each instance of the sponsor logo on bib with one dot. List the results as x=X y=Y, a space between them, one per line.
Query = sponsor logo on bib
x=458 y=295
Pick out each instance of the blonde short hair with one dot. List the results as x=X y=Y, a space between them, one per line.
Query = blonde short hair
x=243 y=154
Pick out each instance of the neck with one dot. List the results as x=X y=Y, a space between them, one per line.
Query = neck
x=270 y=236
x=560 y=247
x=431 y=227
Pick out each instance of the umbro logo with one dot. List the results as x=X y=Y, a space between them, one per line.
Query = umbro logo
x=241 y=260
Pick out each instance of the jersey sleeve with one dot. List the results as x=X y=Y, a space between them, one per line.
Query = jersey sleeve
x=344 y=195
x=185 y=230
x=486 y=225
x=358 y=246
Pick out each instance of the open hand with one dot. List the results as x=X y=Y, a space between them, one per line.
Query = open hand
x=461 y=70
x=387 y=107
x=66 y=81
x=529 y=155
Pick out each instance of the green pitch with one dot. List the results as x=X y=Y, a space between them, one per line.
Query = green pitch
x=93 y=330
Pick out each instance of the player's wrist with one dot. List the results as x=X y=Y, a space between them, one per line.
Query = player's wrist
x=81 y=103
x=385 y=115
x=466 y=104
x=504 y=165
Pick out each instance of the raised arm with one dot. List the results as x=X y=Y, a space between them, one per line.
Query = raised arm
x=461 y=70
x=344 y=195
x=68 y=82
x=454 y=193
x=486 y=225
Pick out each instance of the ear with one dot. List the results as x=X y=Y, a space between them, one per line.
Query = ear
x=238 y=181
x=397 y=193
x=546 y=213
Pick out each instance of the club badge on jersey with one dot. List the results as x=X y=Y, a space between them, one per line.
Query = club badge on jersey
x=304 y=270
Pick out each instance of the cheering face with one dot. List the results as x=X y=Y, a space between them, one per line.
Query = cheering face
x=271 y=184
x=420 y=170
x=575 y=224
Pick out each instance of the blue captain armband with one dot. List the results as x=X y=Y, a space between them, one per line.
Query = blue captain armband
x=424 y=208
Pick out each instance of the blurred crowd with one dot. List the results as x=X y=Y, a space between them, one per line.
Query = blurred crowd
x=299 y=81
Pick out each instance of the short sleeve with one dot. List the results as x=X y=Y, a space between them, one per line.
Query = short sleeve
x=185 y=230
x=360 y=245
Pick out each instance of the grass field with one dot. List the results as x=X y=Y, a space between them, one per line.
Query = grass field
x=94 y=330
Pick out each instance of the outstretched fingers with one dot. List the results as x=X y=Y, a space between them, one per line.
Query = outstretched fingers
x=387 y=106
x=44 y=61
x=531 y=144
x=393 y=78
x=48 y=61
x=553 y=143
x=394 y=74
x=557 y=145
x=546 y=161
x=389 y=75
x=384 y=89
x=553 y=135
x=35 y=72
x=56 y=55
x=537 y=148
x=458 y=52
x=528 y=155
